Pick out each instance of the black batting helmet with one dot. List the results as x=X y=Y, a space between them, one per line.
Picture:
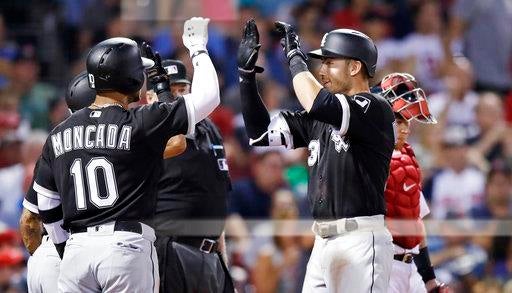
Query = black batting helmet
x=78 y=94
x=348 y=43
x=176 y=71
x=116 y=65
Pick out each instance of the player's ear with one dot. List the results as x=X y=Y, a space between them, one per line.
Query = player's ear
x=355 y=66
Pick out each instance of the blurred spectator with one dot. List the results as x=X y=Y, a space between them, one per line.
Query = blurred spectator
x=487 y=286
x=487 y=145
x=498 y=194
x=57 y=112
x=11 y=264
x=376 y=25
x=11 y=181
x=8 y=51
x=455 y=106
x=31 y=151
x=508 y=108
x=275 y=266
x=34 y=95
x=251 y=198
x=458 y=186
x=458 y=261
x=23 y=151
x=98 y=13
x=308 y=19
x=422 y=51
x=482 y=28
x=352 y=15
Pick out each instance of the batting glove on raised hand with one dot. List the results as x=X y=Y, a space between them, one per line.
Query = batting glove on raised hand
x=249 y=47
x=195 y=34
x=289 y=40
x=157 y=76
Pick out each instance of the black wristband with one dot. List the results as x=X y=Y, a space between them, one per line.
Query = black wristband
x=425 y=269
x=297 y=65
x=196 y=53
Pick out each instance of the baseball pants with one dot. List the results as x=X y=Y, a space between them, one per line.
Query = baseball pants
x=355 y=261
x=43 y=268
x=184 y=268
x=105 y=260
x=405 y=279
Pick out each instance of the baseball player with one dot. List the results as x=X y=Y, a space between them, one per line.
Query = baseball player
x=349 y=134
x=192 y=195
x=99 y=169
x=44 y=262
x=412 y=271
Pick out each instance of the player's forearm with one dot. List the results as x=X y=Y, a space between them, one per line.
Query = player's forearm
x=254 y=112
x=31 y=230
x=176 y=145
x=423 y=242
x=205 y=95
x=222 y=248
x=306 y=88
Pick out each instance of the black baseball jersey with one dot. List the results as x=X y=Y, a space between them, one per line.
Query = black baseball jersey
x=348 y=164
x=105 y=163
x=194 y=185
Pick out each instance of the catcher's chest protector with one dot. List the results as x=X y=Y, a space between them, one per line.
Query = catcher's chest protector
x=403 y=197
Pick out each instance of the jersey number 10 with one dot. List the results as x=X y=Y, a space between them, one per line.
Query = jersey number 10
x=100 y=201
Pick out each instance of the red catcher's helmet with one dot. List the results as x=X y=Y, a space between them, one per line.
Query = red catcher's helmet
x=407 y=99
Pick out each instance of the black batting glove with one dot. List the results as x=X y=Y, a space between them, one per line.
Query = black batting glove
x=289 y=41
x=249 y=48
x=157 y=76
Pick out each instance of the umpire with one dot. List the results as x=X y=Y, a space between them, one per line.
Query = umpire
x=192 y=195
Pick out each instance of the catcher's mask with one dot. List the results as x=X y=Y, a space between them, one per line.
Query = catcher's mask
x=406 y=98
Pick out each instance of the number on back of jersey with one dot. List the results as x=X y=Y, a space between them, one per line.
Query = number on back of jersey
x=91 y=179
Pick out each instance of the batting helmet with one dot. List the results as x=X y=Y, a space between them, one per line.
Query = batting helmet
x=406 y=98
x=350 y=44
x=79 y=95
x=116 y=65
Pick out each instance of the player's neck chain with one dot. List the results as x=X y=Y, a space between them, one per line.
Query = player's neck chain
x=106 y=105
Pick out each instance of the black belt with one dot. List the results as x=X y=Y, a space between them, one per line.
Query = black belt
x=405 y=257
x=127 y=226
x=205 y=245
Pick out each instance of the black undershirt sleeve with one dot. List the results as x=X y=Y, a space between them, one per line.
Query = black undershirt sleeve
x=254 y=112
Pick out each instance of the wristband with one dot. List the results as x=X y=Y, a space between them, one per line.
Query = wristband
x=425 y=269
x=297 y=65
x=198 y=52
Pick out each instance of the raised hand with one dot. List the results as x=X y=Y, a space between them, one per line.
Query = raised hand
x=289 y=40
x=195 y=34
x=157 y=76
x=249 y=47
x=149 y=53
